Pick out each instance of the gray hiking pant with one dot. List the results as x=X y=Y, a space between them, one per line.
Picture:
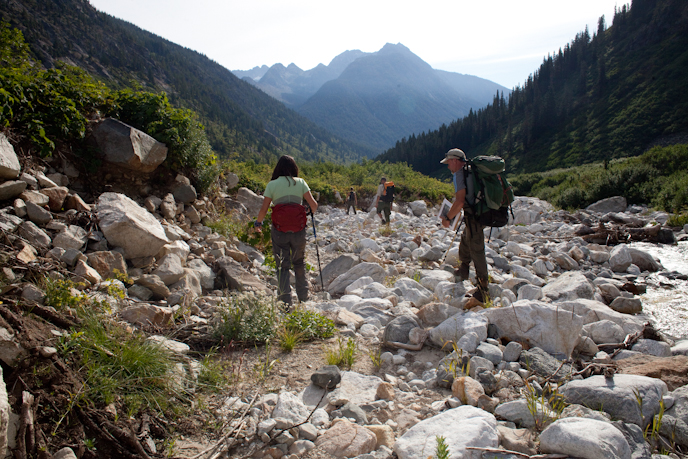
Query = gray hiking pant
x=289 y=250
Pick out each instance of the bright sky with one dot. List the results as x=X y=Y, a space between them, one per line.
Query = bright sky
x=501 y=40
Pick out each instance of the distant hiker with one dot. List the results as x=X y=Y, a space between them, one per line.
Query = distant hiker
x=384 y=199
x=289 y=221
x=351 y=201
x=472 y=245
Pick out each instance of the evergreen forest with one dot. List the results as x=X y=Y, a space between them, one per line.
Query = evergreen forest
x=611 y=95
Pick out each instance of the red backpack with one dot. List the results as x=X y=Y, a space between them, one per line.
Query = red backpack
x=289 y=218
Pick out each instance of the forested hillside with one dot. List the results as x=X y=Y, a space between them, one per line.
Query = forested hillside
x=611 y=95
x=241 y=121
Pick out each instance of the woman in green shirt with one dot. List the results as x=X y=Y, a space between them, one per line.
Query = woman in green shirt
x=287 y=192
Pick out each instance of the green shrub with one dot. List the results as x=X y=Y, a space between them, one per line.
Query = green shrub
x=571 y=198
x=678 y=220
x=246 y=318
x=310 y=324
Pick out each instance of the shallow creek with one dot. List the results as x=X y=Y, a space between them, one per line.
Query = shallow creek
x=666 y=301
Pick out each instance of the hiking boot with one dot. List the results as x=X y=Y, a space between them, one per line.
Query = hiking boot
x=479 y=295
x=462 y=272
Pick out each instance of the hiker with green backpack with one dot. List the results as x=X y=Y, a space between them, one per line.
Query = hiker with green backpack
x=484 y=195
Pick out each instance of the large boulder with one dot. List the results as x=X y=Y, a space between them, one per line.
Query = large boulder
x=127 y=225
x=128 y=147
x=569 y=286
x=539 y=324
x=469 y=427
x=630 y=398
x=373 y=270
x=251 y=201
x=613 y=204
x=9 y=163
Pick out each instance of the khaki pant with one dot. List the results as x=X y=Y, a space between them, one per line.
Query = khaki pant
x=472 y=248
x=384 y=208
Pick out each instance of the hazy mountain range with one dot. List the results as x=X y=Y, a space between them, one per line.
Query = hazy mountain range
x=376 y=98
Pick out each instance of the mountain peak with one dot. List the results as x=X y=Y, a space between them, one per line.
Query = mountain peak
x=394 y=48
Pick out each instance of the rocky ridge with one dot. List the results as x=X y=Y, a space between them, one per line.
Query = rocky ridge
x=562 y=324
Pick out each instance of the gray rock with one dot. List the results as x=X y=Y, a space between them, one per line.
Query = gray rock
x=620 y=258
x=569 y=286
x=490 y=352
x=9 y=163
x=398 y=329
x=541 y=363
x=185 y=193
x=587 y=438
x=618 y=396
x=627 y=305
x=127 y=225
x=128 y=147
x=327 y=377
x=34 y=235
x=652 y=347
x=540 y=324
x=613 y=204
x=452 y=329
x=73 y=237
x=154 y=284
x=373 y=270
x=675 y=419
x=169 y=269
x=11 y=189
x=470 y=427
x=38 y=214
x=512 y=351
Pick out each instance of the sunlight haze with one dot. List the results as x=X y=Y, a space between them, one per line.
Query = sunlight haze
x=501 y=40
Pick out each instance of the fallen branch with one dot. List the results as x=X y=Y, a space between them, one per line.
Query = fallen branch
x=516 y=453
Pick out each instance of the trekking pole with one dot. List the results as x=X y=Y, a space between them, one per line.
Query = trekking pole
x=453 y=239
x=317 y=252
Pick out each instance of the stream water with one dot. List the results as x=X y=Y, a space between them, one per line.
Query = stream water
x=665 y=303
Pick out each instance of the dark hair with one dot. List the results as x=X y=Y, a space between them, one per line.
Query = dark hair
x=286 y=167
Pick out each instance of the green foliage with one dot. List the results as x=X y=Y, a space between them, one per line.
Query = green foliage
x=310 y=324
x=48 y=107
x=678 y=220
x=546 y=407
x=289 y=338
x=442 y=451
x=343 y=354
x=216 y=375
x=62 y=294
x=246 y=318
x=189 y=149
x=376 y=357
x=659 y=177
x=114 y=360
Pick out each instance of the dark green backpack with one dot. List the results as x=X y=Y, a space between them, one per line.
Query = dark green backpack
x=492 y=192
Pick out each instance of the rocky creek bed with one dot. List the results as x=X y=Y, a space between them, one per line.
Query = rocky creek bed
x=565 y=360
